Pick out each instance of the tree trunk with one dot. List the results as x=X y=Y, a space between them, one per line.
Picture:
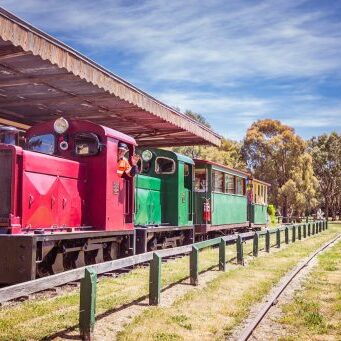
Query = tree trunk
x=285 y=212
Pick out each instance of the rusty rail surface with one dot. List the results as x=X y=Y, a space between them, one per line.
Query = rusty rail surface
x=249 y=329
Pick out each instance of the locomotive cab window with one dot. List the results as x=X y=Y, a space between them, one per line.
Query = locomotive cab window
x=86 y=144
x=188 y=182
x=164 y=165
x=42 y=144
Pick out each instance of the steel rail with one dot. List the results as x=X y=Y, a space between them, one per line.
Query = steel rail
x=249 y=329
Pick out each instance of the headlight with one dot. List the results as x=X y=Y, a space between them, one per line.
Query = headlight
x=147 y=155
x=61 y=125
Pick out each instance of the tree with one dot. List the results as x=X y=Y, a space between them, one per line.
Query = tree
x=229 y=153
x=275 y=154
x=326 y=153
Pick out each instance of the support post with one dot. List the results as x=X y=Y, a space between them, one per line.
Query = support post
x=327 y=223
x=194 y=265
x=222 y=255
x=320 y=226
x=87 y=305
x=293 y=233
x=240 y=255
x=304 y=230
x=286 y=231
x=255 y=244
x=155 y=279
x=309 y=230
x=299 y=232
x=267 y=241
x=278 y=238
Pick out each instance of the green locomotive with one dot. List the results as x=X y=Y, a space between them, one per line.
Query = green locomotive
x=163 y=200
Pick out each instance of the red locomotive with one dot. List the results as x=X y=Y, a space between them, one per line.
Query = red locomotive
x=64 y=180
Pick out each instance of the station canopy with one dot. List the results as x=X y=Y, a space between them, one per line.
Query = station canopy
x=42 y=79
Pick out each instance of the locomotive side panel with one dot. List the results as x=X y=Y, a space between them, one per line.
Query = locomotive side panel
x=53 y=191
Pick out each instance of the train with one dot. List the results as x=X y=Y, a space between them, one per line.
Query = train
x=64 y=204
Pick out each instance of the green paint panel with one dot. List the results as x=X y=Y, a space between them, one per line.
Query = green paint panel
x=165 y=198
x=148 y=201
x=258 y=213
x=228 y=209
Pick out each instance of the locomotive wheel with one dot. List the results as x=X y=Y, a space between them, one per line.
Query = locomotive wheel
x=94 y=257
x=79 y=259
x=111 y=251
x=58 y=264
x=152 y=244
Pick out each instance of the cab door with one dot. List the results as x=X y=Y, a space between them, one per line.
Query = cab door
x=185 y=194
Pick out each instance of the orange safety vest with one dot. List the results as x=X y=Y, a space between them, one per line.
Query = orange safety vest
x=123 y=166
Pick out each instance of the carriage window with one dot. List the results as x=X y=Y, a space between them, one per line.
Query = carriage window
x=200 y=180
x=240 y=186
x=218 y=181
x=164 y=165
x=86 y=144
x=42 y=144
x=230 y=184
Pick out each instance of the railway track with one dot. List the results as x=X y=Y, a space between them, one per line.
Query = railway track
x=272 y=300
x=51 y=292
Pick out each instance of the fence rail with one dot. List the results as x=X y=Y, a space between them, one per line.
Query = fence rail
x=88 y=275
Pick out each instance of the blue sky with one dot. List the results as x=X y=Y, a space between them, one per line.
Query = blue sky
x=232 y=61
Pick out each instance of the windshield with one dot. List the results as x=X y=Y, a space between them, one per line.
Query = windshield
x=42 y=144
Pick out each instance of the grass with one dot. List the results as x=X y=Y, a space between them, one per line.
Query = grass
x=192 y=314
x=315 y=311
x=213 y=312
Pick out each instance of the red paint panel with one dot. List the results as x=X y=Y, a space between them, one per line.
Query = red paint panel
x=70 y=194
x=46 y=164
x=39 y=200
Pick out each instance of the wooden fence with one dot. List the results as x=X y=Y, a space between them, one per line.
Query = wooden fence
x=88 y=275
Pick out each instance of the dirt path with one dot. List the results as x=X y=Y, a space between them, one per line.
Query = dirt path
x=269 y=328
x=108 y=327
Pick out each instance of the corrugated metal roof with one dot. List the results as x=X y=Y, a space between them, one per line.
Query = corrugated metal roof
x=41 y=78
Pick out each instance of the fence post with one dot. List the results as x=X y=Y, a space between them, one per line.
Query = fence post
x=267 y=241
x=278 y=238
x=286 y=231
x=309 y=230
x=222 y=255
x=307 y=219
x=194 y=265
x=304 y=230
x=87 y=305
x=255 y=244
x=320 y=225
x=155 y=279
x=327 y=223
x=240 y=255
x=299 y=232
x=293 y=233
x=313 y=228
x=323 y=225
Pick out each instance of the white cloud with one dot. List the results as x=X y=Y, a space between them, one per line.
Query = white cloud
x=174 y=48
x=214 y=42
